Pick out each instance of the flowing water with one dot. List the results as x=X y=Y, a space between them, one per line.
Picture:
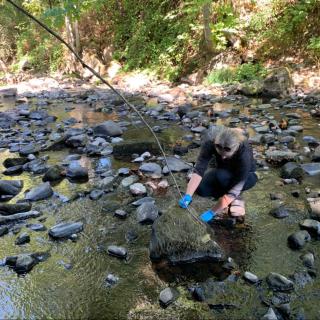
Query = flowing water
x=71 y=284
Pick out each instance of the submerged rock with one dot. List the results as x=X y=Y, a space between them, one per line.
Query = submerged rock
x=44 y=191
x=298 y=239
x=65 y=230
x=22 y=239
x=292 y=170
x=54 y=173
x=10 y=187
x=278 y=282
x=107 y=129
x=76 y=172
x=117 y=251
x=12 y=208
x=147 y=213
x=178 y=238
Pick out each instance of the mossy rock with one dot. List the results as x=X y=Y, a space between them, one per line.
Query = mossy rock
x=178 y=238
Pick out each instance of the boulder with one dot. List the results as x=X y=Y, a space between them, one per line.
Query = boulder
x=107 y=129
x=178 y=238
x=65 y=230
x=41 y=192
x=251 y=88
x=277 y=83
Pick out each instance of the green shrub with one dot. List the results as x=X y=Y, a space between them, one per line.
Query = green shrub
x=244 y=72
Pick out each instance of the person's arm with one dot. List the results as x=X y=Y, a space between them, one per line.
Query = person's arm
x=193 y=184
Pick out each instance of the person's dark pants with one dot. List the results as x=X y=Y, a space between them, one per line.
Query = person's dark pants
x=217 y=182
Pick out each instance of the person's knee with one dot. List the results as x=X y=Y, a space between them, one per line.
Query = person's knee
x=203 y=191
x=223 y=177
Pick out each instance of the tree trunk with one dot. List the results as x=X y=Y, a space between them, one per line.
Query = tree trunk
x=72 y=42
x=208 y=43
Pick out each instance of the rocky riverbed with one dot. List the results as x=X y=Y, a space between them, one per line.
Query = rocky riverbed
x=83 y=186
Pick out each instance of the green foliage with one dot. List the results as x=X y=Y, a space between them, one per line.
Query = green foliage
x=245 y=72
x=226 y=20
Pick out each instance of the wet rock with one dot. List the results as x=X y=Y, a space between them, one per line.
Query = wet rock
x=138 y=189
x=127 y=148
x=22 y=239
x=38 y=115
x=151 y=169
x=311 y=169
x=24 y=263
x=285 y=309
x=120 y=214
x=262 y=130
x=65 y=230
x=268 y=138
x=96 y=194
x=312 y=226
x=128 y=181
x=270 y=315
x=77 y=141
x=54 y=173
x=12 y=208
x=291 y=170
x=123 y=172
x=182 y=242
x=36 y=227
x=141 y=201
x=37 y=166
x=13 y=162
x=29 y=149
x=250 y=277
x=76 y=172
x=175 y=165
x=168 y=296
x=19 y=216
x=280 y=212
x=276 y=196
x=278 y=282
x=251 y=88
x=12 y=171
x=104 y=164
x=106 y=183
x=295 y=193
x=116 y=251
x=296 y=128
x=147 y=213
x=111 y=280
x=10 y=187
x=308 y=260
x=41 y=192
x=255 y=140
x=314 y=204
x=107 y=129
x=301 y=279
x=298 y=239
x=3 y=230
x=286 y=139
x=280 y=156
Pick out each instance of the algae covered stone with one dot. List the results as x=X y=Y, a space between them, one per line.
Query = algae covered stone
x=179 y=238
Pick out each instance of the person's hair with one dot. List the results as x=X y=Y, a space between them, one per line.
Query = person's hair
x=230 y=137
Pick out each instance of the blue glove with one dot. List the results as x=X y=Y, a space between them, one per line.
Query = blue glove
x=207 y=216
x=185 y=201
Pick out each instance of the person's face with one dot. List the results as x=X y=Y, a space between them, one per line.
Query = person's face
x=225 y=151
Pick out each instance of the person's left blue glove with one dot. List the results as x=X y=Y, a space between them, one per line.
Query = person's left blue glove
x=185 y=201
x=207 y=216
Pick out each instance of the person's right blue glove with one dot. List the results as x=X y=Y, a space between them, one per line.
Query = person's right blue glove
x=207 y=216
x=185 y=201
